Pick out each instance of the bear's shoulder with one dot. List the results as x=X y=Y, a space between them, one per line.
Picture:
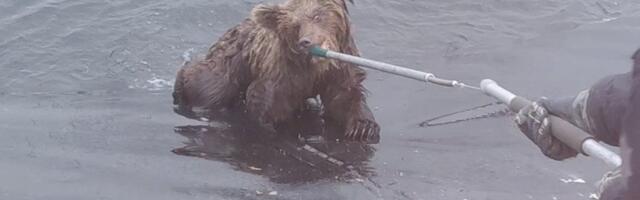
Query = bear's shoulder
x=232 y=41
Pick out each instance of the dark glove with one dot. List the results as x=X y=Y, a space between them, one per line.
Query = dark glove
x=533 y=121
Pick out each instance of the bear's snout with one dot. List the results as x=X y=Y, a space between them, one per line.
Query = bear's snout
x=304 y=43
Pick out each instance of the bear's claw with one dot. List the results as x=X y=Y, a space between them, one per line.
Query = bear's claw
x=364 y=131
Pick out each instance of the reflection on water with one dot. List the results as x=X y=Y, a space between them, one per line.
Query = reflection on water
x=304 y=151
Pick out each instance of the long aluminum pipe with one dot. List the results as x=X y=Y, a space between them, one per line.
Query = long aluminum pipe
x=384 y=67
x=563 y=130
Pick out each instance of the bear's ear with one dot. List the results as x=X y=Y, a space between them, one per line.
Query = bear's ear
x=267 y=16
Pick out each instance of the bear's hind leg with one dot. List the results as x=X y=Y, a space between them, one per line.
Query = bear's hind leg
x=200 y=85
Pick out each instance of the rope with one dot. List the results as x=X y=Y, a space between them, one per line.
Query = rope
x=495 y=114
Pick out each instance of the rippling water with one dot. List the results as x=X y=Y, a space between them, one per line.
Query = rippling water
x=85 y=107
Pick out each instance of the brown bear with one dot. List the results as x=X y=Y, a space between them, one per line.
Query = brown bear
x=264 y=62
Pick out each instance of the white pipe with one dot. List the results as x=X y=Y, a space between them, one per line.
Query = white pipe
x=392 y=69
x=409 y=73
x=595 y=149
x=492 y=88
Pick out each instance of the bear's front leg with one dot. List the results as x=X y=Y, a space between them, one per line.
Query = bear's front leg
x=344 y=103
x=270 y=104
x=361 y=125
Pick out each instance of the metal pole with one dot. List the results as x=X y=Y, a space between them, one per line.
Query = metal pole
x=388 y=68
x=563 y=130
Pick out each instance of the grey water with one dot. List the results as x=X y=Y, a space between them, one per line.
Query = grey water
x=85 y=102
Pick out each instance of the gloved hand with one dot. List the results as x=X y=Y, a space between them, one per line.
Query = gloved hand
x=533 y=121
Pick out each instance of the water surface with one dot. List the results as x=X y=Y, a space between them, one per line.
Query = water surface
x=85 y=105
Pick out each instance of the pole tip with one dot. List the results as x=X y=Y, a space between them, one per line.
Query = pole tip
x=317 y=51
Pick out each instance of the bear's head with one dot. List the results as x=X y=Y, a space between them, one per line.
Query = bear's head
x=300 y=24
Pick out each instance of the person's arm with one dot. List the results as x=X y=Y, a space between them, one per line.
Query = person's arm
x=626 y=184
x=598 y=111
x=631 y=137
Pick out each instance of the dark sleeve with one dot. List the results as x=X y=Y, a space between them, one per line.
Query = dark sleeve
x=631 y=140
x=598 y=110
x=571 y=109
x=606 y=106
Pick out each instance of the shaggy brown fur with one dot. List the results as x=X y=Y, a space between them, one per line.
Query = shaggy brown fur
x=264 y=62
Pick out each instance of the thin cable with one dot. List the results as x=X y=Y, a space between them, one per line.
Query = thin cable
x=462 y=85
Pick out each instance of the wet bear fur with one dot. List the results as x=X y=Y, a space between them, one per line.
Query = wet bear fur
x=264 y=63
